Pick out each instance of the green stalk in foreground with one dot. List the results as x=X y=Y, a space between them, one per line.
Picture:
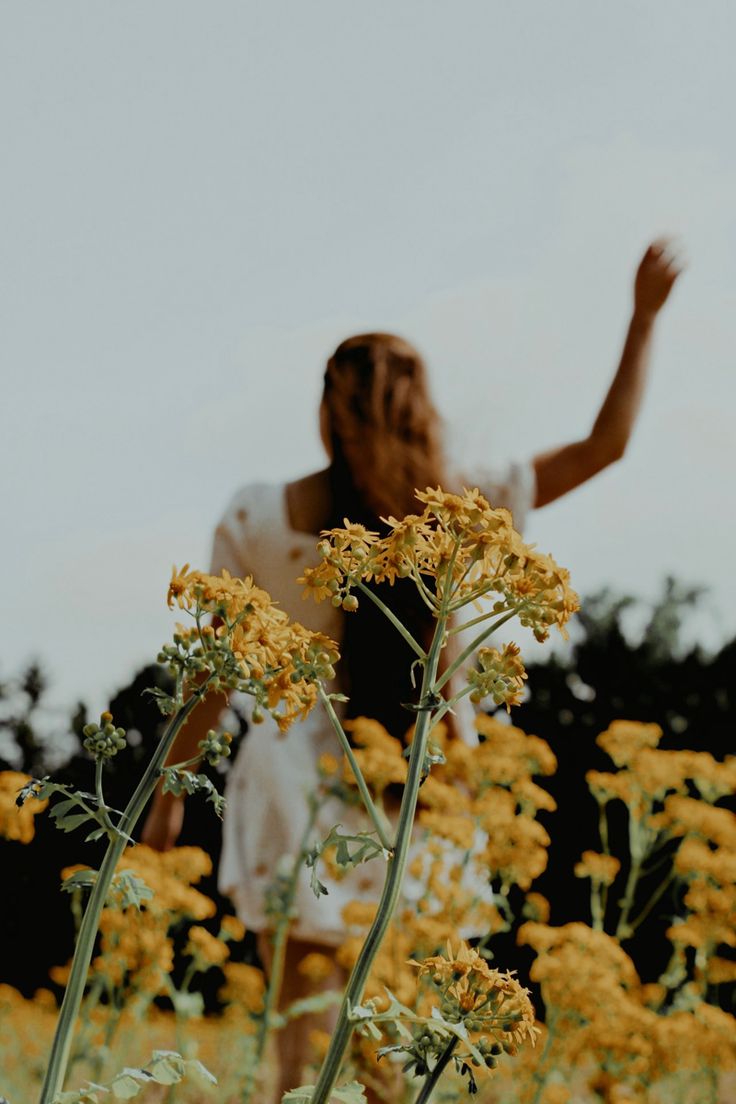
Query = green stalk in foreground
x=392 y=886
x=61 y=1046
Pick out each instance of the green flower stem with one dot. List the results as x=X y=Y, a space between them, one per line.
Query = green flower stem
x=276 y=973
x=99 y=767
x=638 y=850
x=449 y=706
x=392 y=885
x=467 y=652
x=540 y=1078
x=380 y=823
x=463 y=625
x=596 y=904
x=430 y=599
x=661 y=888
x=60 y=1049
x=432 y=1078
x=413 y=644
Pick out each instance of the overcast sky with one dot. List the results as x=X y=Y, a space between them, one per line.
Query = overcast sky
x=200 y=200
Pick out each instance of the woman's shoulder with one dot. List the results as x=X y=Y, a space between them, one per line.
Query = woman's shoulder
x=254 y=509
x=252 y=503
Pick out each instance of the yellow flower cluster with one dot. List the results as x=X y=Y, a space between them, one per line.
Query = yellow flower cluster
x=599 y=868
x=706 y=861
x=499 y=675
x=16 y=823
x=647 y=773
x=244 y=988
x=136 y=948
x=205 y=948
x=379 y=755
x=459 y=543
x=493 y=1001
x=277 y=659
x=476 y=824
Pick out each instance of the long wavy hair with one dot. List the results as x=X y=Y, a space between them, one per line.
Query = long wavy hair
x=385 y=441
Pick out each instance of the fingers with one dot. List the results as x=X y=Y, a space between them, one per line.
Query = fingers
x=668 y=250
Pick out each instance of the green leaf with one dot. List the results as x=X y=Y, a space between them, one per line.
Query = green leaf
x=69 y=823
x=133 y=889
x=199 y=1074
x=352 y=1093
x=80 y=879
x=167 y=1067
x=318 y=1002
x=302 y=1095
x=129 y=1083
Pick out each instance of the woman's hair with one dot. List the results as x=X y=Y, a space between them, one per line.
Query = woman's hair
x=385 y=442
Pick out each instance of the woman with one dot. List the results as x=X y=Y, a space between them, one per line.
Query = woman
x=382 y=436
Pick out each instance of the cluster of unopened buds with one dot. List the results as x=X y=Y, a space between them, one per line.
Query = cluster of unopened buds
x=203 y=649
x=341 y=596
x=216 y=746
x=317 y=663
x=499 y=675
x=103 y=740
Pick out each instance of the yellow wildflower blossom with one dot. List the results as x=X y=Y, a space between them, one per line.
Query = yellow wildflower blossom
x=206 y=948
x=599 y=868
x=232 y=928
x=316 y=967
x=279 y=659
x=244 y=986
x=623 y=739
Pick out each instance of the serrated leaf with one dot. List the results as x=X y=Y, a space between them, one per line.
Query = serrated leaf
x=72 y=821
x=63 y=807
x=302 y=1095
x=352 y=1093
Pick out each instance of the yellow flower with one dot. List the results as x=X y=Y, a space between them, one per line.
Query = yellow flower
x=316 y=967
x=205 y=947
x=328 y=765
x=623 y=739
x=499 y=675
x=232 y=928
x=502 y=1003
x=599 y=868
x=379 y=755
x=279 y=660
x=244 y=986
x=459 y=542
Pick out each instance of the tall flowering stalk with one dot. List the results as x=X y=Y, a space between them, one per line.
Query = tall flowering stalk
x=458 y=551
x=253 y=649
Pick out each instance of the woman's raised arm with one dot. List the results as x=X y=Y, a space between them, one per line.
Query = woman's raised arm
x=561 y=469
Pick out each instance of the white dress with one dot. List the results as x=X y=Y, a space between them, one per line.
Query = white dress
x=273 y=774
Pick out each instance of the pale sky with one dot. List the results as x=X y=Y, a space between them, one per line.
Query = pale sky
x=201 y=200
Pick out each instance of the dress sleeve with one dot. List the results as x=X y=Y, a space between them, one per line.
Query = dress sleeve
x=513 y=487
x=230 y=542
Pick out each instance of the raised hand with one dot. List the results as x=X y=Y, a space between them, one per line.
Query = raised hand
x=655 y=277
